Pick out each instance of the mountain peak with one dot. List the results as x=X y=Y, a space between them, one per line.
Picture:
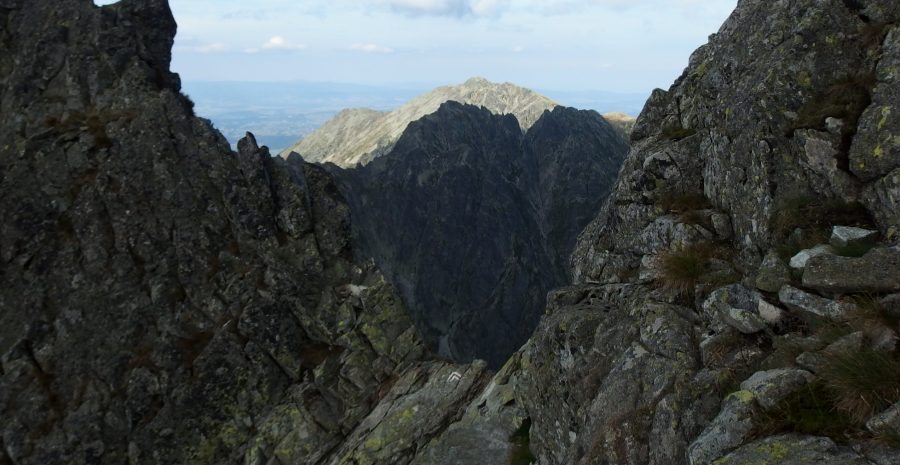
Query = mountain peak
x=347 y=141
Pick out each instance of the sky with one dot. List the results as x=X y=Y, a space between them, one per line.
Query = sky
x=610 y=45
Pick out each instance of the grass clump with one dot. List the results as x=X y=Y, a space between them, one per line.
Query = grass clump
x=814 y=217
x=872 y=316
x=810 y=410
x=520 y=446
x=863 y=383
x=682 y=270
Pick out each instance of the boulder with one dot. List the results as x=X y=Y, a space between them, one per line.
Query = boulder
x=800 y=260
x=799 y=300
x=877 y=271
x=843 y=236
x=772 y=273
x=886 y=422
x=728 y=430
x=736 y=306
x=769 y=387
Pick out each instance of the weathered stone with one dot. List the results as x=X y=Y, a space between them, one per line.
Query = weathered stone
x=419 y=406
x=876 y=271
x=736 y=306
x=800 y=260
x=728 y=430
x=848 y=344
x=886 y=422
x=793 y=449
x=796 y=299
x=771 y=314
x=769 y=387
x=812 y=361
x=876 y=147
x=843 y=236
x=721 y=223
x=772 y=273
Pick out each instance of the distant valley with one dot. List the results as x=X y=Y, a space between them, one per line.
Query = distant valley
x=281 y=113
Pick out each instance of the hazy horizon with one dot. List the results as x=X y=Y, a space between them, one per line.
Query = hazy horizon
x=609 y=45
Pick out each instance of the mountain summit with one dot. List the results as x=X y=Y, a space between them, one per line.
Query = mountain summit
x=359 y=135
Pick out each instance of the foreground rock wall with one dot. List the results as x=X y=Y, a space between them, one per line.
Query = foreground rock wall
x=164 y=299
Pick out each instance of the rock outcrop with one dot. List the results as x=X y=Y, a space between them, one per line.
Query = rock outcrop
x=360 y=135
x=474 y=221
x=166 y=300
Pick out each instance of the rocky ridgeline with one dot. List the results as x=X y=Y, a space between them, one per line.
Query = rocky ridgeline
x=168 y=301
x=474 y=220
x=359 y=135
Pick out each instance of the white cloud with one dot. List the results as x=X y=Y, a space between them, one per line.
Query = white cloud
x=280 y=43
x=457 y=8
x=371 y=48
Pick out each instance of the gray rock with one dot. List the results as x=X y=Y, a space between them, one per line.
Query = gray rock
x=736 y=306
x=848 y=344
x=812 y=361
x=772 y=273
x=728 y=430
x=800 y=260
x=793 y=449
x=796 y=299
x=876 y=271
x=769 y=387
x=886 y=422
x=878 y=453
x=721 y=223
x=843 y=236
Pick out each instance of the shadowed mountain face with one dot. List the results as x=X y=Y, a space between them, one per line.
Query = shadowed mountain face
x=473 y=220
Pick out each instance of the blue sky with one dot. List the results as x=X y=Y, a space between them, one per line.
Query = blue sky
x=612 y=45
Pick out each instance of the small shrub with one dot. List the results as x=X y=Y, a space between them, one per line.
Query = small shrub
x=520 y=446
x=863 y=383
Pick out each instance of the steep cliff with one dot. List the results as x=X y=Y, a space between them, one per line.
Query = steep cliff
x=165 y=300
x=474 y=221
x=360 y=135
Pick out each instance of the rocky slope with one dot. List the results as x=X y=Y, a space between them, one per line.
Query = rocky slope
x=737 y=299
x=474 y=221
x=165 y=300
x=359 y=135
